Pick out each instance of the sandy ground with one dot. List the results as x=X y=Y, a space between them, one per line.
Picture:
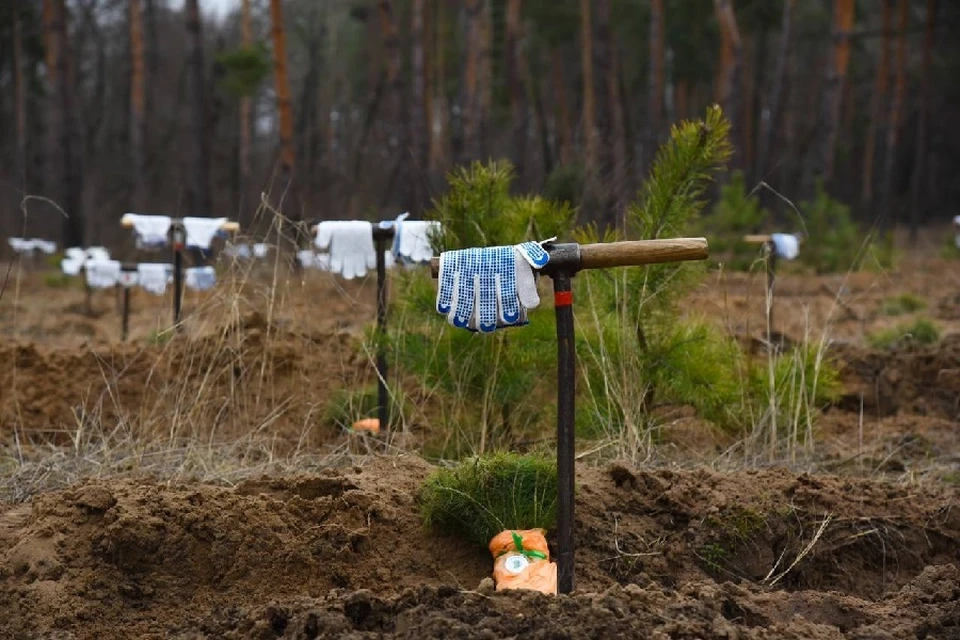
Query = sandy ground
x=864 y=545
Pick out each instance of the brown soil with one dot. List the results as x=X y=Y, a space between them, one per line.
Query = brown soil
x=682 y=554
x=869 y=550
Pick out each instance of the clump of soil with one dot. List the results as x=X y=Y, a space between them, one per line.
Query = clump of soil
x=907 y=379
x=231 y=382
x=660 y=553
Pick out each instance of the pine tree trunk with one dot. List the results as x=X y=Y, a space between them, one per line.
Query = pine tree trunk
x=476 y=82
x=246 y=41
x=137 y=104
x=198 y=200
x=829 y=120
x=880 y=86
x=282 y=88
x=19 y=90
x=559 y=89
x=728 y=77
x=396 y=114
x=920 y=149
x=888 y=219
x=589 y=124
x=682 y=99
x=70 y=146
x=152 y=73
x=419 y=116
x=52 y=162
x=604 y=78
x=770 y=114
x=515 y=67
x=655 y=99
x=440 y=108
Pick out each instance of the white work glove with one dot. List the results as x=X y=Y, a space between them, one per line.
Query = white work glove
x=482 y=289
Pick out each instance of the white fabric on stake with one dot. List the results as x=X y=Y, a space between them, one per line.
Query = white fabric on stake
x=412 y=241
x=200 y=278
x=785 y=245
x=201 y=231
x=102 y=274
x=19 y=244
x=72 y=266
x=310 y=260
x=260 y=250
x=154 y=276
x=98 y=253
x=75 y=253
x=351 y=246
x=46 y=246
x=152 y=231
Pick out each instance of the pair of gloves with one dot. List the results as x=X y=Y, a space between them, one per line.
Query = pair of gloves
x=483 y=289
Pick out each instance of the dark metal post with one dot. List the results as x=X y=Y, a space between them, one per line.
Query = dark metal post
x=380 y=237
x=178 y=242
x=770 y=250
x=126 y=313
x=566 y=412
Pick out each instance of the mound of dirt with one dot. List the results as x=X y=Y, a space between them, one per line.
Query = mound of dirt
x=343 y=552
x=906 y=379
x=928 y=607
x=234 y=381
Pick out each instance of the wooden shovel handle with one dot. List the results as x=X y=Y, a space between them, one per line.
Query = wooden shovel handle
x=628 y=253
x=636 y=252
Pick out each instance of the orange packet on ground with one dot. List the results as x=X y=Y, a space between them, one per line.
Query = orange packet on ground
x=370 y=425
x=521 y=560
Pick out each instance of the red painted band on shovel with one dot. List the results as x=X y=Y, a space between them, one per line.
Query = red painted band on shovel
x=563 y=298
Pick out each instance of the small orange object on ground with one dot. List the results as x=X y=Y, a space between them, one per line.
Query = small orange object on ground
x=370 y=425
x=521 y=560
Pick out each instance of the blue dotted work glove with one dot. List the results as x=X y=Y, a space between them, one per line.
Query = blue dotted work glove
x=483 y=289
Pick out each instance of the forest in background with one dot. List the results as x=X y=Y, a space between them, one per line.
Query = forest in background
x=358 y=108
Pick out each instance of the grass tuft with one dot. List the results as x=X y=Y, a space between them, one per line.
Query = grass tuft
x=902 y=304
x=921 y=331
x=483 y=496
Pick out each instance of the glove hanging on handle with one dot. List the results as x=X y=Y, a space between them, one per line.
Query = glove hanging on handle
x=483 y=289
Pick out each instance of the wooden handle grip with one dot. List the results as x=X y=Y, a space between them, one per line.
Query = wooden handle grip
x=636 y=252
x=631 y=252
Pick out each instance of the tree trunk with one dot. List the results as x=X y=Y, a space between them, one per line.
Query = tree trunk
x=282 y=88
x=246 y=41
x=589 y=124
x=70 y=140
x=829 y=120
x=655 y=99
x=770 y=114
x=564 y=125
x=397 y=136
x=150 y=135
x=52 y=162
x=440 y=108
x=198 y=200
x=728 y=76
x=682 y=99
x=893 y=121
x=473 y=113
x=419 y=117
x=605 y=176
x=19 y=90
x=753 y=96
x=880 y=86
x=515 y=67
x=137 y=104
x=920 y=149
